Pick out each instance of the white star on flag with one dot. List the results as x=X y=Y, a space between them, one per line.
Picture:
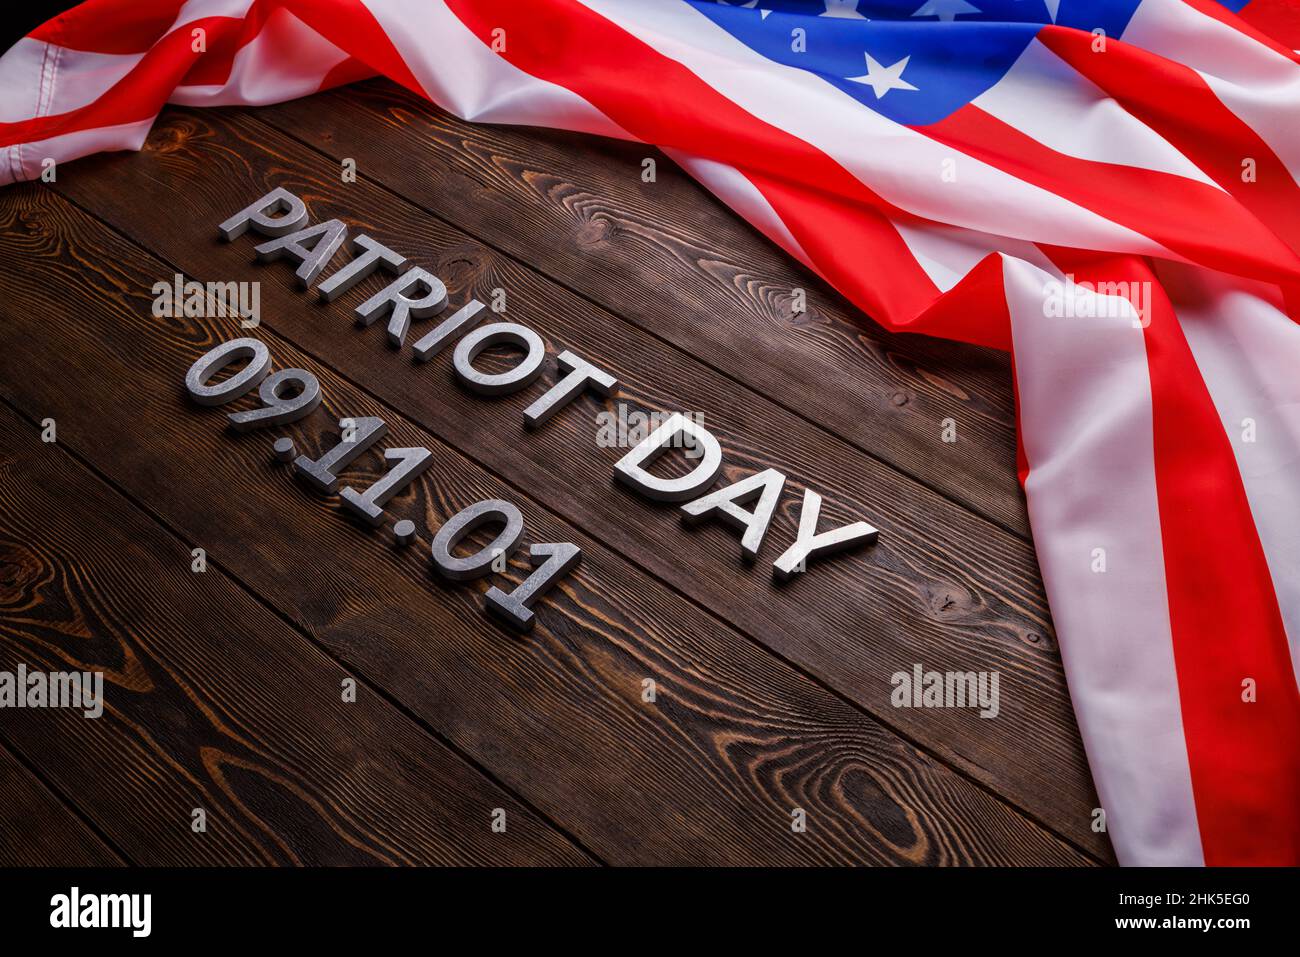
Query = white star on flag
x=763 y=13
x=882 y=79
x=945 y=10
x=844 y=9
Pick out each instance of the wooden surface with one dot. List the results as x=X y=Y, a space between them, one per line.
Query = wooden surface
x=223 y=688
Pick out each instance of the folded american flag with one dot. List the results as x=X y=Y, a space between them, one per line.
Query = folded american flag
x=1106 y=189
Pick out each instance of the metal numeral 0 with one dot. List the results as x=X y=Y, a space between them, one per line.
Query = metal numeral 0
x=488 y=511
x=321 y=474
x=276 y=408
x=214 y=360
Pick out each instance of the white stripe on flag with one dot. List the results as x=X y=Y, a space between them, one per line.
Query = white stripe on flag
x=23 y=161
x=1249 y=78
x=948 y=253
x=1047 y=99
x=198 y=9
x=22 y=71
x=462 y=75
x=81 y=78
x=1086 y=427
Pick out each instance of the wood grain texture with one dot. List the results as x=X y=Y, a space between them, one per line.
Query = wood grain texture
x=38 y=830
x=213 y=702
x=708 y=774
x=944 y=588
x=684 y=267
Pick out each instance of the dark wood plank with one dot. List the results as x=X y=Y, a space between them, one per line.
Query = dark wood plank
x=38 y=829
x=677 y=262
x=709 y=774
x=944 y=588
x=213 y=702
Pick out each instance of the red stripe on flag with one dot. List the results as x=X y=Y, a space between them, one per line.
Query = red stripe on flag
x=1224 y=616
x=974 y=310
x=1175 y=101
x=1245 y=757
x=1203 y=224
x=353 y=29
x=1243 y=23
x=349 y=71
x=1279 y=19
x=137 y=96
x=110 y=26
x=214 y=66
x=827 y=229
x=171 y=61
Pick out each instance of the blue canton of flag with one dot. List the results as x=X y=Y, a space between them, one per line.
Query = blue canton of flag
x=914 y=61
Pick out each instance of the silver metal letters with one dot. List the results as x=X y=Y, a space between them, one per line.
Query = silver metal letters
x=748 y=505
x=404 y=532
x=214 y=360
x=462 y=320
x=358 y=435
x=367 y=256
x=555 y=560
x=502 y=383
x=725 y=503
x=581 y=375
x=311 y=248
x=369 y=505
x=258 y=216
x=630 y=468
x=396 y=296
x=277 y=410
x=808 y=544
x=467 y=520
x=283 y=448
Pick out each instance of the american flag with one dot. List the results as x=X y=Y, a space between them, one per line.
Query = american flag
x=1106 y=189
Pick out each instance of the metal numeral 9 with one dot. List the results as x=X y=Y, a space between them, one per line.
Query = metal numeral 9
x=277 y=407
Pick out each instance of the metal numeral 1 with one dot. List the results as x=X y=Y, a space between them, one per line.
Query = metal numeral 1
x=368 y=505
x=555 y=560
x=321 y=473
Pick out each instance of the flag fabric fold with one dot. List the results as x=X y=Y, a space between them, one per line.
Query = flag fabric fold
x=1106 y=189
